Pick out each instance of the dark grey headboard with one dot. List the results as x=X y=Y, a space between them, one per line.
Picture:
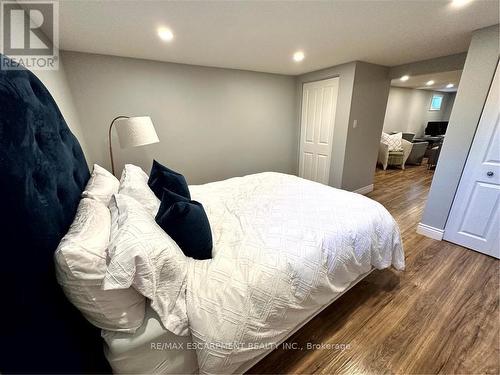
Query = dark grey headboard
x=42 y=174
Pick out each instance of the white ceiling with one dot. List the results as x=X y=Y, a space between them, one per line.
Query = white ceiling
x=262 y=35
x=440 y=81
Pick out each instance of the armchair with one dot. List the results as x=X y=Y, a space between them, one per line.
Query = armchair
x=434 y=156
x=386 y=157
x=417 y=153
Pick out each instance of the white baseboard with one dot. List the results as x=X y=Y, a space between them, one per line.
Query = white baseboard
x=364 y=190
x=431 y=232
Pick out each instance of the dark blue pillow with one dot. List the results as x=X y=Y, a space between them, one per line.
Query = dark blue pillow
x=187 y=223
x=162 y=177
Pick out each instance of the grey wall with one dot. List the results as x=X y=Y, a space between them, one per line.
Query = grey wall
x=212 y=123
x=477 y=75
x=449 y=106
x=408 y=110
x=369 y=100
x=57 y=83
x=363 y=91
x=345 y=72
x=219 y=123
x=436 y=65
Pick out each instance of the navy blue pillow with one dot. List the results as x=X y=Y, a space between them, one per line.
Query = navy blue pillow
x=187 y=223
x=162 y=177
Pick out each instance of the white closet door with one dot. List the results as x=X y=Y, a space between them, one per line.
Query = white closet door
x=319 y=103
x=474 y=217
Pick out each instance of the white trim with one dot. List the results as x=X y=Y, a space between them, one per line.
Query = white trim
x=431 y=232
x=364 y=190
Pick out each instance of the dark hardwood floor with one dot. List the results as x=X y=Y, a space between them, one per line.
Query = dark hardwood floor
x=441 y=315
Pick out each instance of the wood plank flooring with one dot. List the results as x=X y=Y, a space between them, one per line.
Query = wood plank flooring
x=441 y=315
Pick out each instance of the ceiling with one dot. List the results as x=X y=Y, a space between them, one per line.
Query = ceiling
x=440 y=81
x=263 y=35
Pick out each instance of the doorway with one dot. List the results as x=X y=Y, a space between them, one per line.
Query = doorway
x=319 y=104
x=474 y=220
x=416 y=120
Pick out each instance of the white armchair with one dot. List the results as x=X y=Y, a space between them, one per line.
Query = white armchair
x=407 y=147
x=386 y=157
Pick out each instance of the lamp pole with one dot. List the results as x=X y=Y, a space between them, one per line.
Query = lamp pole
x=110 y=144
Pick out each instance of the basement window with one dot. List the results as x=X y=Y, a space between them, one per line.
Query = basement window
x=436 y=102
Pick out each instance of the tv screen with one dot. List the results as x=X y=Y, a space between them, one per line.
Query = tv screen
x=434 y=128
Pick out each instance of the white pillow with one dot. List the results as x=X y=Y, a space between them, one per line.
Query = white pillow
x=101 y=185
x=134 y=183
x=80 y=268
x=142 y=255
x=393 y=141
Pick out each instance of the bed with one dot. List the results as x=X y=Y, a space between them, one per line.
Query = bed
x=284 y=249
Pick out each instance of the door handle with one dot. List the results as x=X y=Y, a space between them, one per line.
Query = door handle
x=489 y=173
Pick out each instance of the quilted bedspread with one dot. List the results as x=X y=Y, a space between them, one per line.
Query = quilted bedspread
x=283 y=247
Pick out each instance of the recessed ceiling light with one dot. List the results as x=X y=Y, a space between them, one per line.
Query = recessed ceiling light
x=450 y=85
x=460 y=3
x=298 y=56
x=405 y=78
x=429 y=83
x=165 y=34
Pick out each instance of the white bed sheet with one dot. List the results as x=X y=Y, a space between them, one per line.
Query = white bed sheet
x=283 y=248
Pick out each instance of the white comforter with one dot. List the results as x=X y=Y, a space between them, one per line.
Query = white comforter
x=283 y=247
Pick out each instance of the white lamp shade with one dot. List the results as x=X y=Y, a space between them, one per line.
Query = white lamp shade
x=136 y=131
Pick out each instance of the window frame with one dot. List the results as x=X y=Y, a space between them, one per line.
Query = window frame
x=440 y=103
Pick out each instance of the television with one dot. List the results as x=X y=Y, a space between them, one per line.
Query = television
x=434 y=128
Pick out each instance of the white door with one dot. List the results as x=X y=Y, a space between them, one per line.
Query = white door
x=319 y=103
x=474 y=217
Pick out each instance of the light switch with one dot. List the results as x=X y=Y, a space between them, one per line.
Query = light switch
x=355 y=124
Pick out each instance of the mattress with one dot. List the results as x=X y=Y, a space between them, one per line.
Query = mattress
x=151 y=349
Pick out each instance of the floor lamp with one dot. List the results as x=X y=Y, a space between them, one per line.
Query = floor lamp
x=132 y=132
